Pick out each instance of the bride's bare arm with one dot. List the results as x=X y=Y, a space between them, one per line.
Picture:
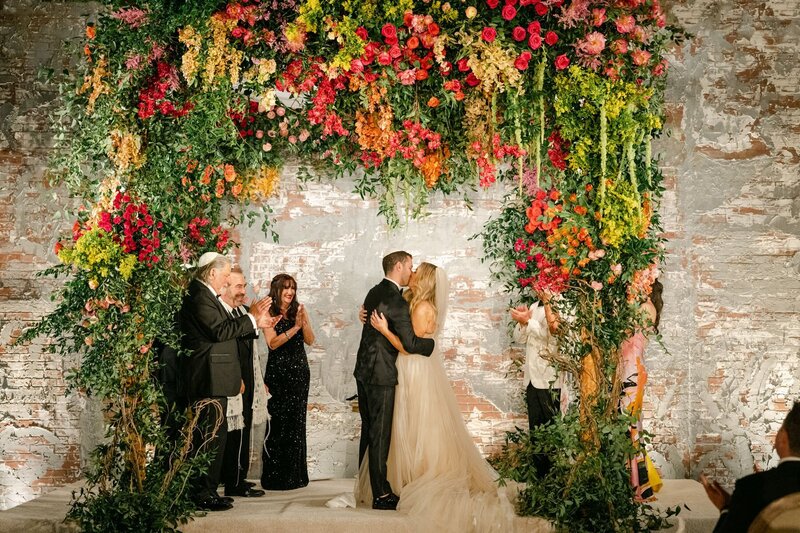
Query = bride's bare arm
x=380 y=323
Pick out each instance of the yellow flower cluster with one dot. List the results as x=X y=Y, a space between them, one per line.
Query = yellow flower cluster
x=193 y=42
x=221 y=56
x=263 y=184
x=477 y=108
x=261 y=71
x=97 y=253
x=622 y=215
x=494 y=66
x=125 y=150
x=96 y=84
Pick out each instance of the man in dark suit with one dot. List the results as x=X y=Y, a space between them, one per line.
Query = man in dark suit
x=755 y=492
x=211 y=370
x=236 y=461
x=376 y=372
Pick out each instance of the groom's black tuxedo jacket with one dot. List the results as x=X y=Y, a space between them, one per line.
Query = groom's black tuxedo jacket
x=209 y=336
x=754 y=492
x=375 y=363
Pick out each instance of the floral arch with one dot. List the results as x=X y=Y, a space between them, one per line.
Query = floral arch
x=177 y=109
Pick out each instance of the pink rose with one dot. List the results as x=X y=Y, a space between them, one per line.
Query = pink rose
x=408 y=76
x=356 y=66
x=384 y=59
x=508 y=12
x=519 y=34
x=619 y=47
x=562 y=62
x=395 y=51
x=488 y=34
x=640 y=57
x=535 y=41
x=625 y=23
x=598 y=16
x=550 y=38
x=660 y=69
x=594 y=43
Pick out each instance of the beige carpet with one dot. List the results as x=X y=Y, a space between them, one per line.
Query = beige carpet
x=304 y=511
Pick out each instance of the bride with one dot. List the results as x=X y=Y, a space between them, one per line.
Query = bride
x=433 y=462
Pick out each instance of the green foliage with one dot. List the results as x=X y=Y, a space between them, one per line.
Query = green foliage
x=587 y=488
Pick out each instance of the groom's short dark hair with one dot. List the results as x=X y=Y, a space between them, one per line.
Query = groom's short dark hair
x=392 y=259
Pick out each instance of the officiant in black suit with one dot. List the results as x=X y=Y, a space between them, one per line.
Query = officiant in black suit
x=755 y=492
x=211 y=369
x=376 y=372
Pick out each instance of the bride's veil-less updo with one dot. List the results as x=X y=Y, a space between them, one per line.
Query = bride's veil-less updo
x=431 y=286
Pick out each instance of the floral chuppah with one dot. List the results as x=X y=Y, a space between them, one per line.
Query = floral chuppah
x=179 y=109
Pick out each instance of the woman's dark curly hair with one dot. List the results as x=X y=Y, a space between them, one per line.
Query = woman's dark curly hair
x=276 y=287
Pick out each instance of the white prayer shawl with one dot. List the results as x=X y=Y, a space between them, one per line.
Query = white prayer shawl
x=259 y=394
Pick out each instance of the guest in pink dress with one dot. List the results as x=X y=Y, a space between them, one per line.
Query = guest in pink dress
x=633 y=373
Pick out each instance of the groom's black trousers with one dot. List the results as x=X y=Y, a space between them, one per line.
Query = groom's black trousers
x=376 y=406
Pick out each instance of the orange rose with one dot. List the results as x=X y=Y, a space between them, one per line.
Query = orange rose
x=433 y=102
x=90 y=32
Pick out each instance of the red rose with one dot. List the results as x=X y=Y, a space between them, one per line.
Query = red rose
x=551 y=38
x=511 y=2
x=389 y=33
x=562 y=62
x=521 y=63
x=384 y=58
x=535 y=41
x=526 y=55
x=519 y=34
x=541 y=9
x=509 y=12
x=362 y=32
x=462 y=64
x=534 y=27
x=472 y=80
x=488 y=34
x=433 y=29
x=395 y=52
x=408 y=18
x=493 y=3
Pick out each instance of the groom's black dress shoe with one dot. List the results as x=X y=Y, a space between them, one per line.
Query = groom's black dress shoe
x=245 y=491
x=213 y=504
x=386 y=503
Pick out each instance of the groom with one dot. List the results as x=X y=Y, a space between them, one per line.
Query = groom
x=376 y=373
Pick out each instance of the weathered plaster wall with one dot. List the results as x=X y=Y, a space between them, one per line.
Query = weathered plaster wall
x=731 y=212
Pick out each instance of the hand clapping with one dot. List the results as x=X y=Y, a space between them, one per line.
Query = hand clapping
x=521 y=314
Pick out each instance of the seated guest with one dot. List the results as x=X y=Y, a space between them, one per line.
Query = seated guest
x=236 y=462
x=755 y=492
x=288 y=378
x=210 y=371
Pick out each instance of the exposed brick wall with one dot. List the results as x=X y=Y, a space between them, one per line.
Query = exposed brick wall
x=731 y=213
x=40 y=439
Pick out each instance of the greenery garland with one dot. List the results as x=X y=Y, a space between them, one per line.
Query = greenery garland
x=179 y=109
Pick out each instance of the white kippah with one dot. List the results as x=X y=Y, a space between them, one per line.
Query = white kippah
x=207 y=258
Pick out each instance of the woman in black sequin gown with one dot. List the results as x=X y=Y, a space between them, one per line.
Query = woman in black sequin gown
x=287 y=377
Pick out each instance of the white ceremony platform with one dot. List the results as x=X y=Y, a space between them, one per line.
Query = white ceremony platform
x=304 y=511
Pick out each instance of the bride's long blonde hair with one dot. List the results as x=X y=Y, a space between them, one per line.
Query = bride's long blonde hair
x=426 y=287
